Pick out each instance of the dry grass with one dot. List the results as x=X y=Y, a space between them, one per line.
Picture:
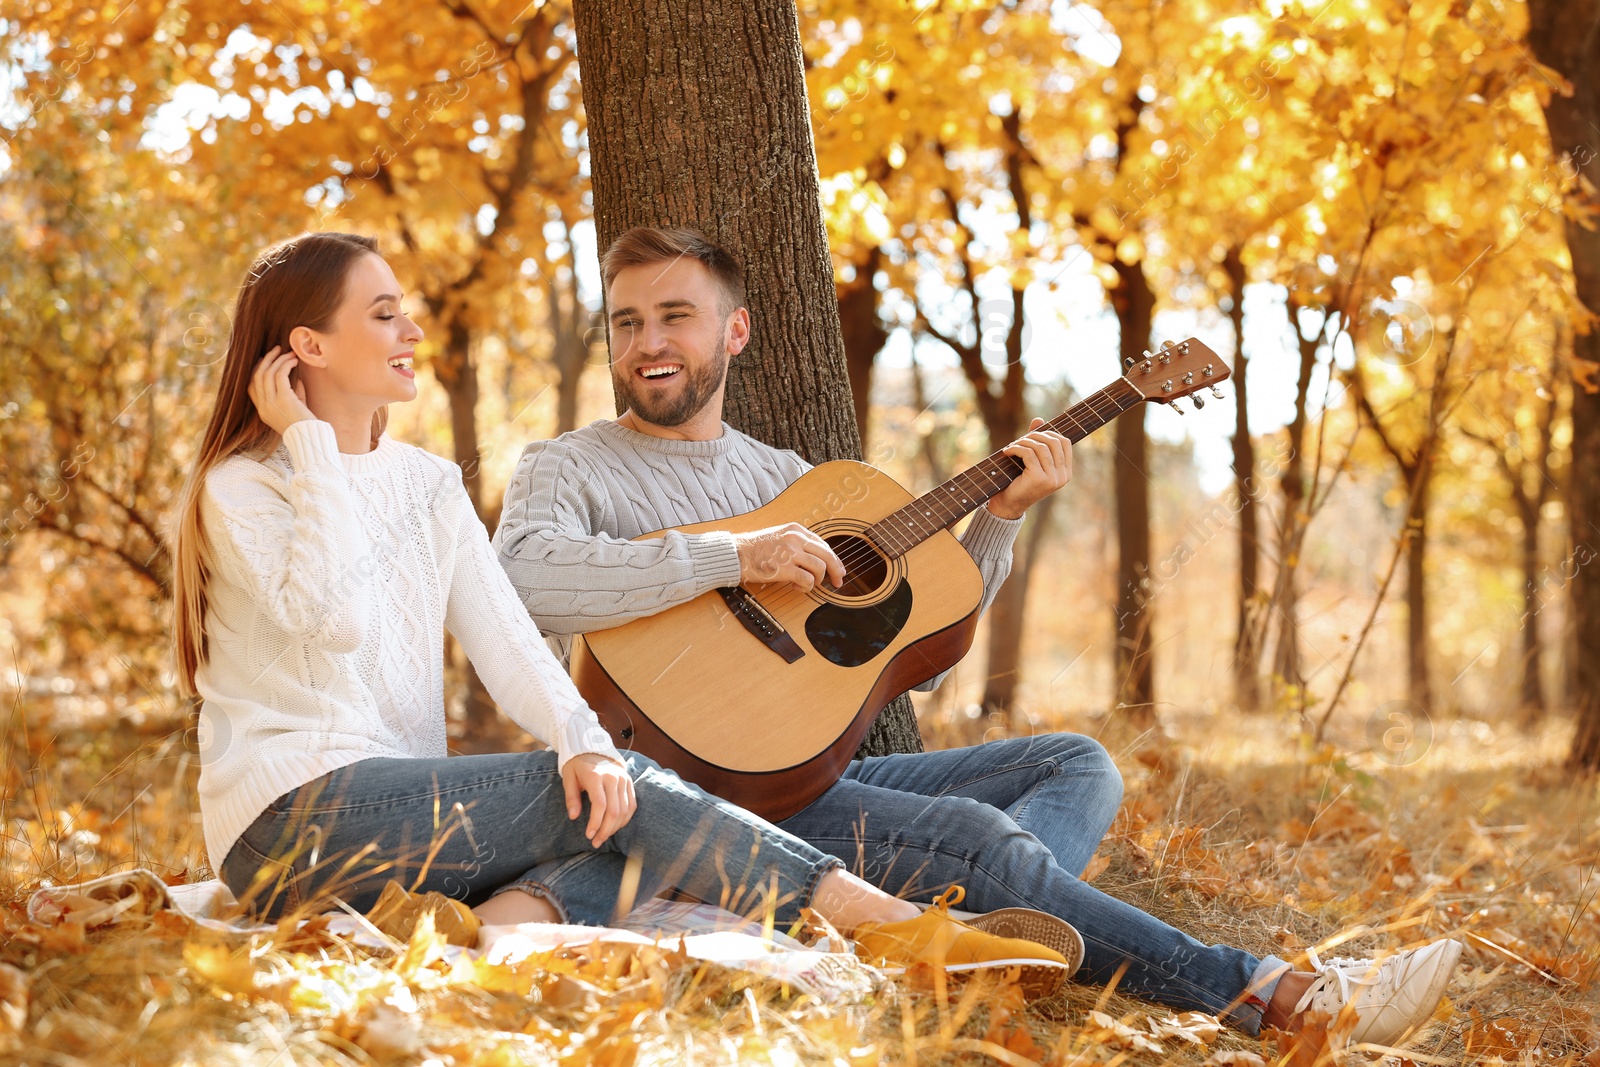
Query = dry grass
x=1233 y=830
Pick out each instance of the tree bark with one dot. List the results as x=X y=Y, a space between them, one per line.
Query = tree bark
x=458 y=374
x=1292 y=524
x=1008 y=614
x=697 y=116
x=1246 y=657
x=1565 y=35
x=1421 y=482
x=1532 y=661
x=1002 y=404
x=864 y=336
x=1134 y=304
x=483 y=729
x=568 y=336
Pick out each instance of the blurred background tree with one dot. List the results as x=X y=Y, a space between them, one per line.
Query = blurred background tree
x=1361 y=205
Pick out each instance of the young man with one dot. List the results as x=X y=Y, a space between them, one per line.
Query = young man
x=1014 y=822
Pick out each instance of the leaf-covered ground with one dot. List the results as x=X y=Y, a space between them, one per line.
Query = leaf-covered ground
x=1237 y=831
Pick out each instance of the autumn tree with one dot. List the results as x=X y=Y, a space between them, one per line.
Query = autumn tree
x=712 y=131
x=910 y=163
x=1562 y=35
x=116 y=268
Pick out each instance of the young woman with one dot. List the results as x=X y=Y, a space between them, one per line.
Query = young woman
x=319 y=563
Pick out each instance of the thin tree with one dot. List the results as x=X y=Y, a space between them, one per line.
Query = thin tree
x=1246 y=655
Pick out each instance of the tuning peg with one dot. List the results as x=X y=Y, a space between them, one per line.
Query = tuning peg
x=1216 y=392
x=1199 y=401
x=1173 y=404
x=1127 y=363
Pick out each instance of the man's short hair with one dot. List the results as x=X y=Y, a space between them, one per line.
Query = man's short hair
x=644 y=245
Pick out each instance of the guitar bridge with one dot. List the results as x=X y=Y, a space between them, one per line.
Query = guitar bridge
x=759 y=621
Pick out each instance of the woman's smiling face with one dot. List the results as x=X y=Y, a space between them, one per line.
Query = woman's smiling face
x=366 y=355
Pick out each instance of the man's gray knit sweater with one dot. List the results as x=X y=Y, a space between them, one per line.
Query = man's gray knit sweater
x=575 y=501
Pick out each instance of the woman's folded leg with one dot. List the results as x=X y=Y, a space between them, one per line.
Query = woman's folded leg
x=470 y=826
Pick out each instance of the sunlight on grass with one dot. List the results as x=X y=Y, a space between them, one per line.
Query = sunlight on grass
x=1252 y=837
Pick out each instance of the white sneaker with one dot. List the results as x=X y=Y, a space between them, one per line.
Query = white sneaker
x=1391 y=998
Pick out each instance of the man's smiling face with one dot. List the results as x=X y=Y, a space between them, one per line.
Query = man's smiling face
x=672 y=337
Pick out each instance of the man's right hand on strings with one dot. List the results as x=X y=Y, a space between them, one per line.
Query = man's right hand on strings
x=787 y=553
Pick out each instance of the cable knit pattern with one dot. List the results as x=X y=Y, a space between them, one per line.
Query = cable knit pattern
x=333 y=580
x=574 y=503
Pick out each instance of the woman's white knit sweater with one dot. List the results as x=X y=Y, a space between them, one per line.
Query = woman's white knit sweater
x=333 y=578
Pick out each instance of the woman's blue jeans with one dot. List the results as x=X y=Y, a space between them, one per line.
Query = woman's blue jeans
x=470 y=826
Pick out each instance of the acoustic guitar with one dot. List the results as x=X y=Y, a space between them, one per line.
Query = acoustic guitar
x=762 y=694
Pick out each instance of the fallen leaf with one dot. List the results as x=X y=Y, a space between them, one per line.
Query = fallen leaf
x=388 y=1033
x=1197 y=1028
x=1318 y=1041
x=1096 y=867
x=13 y=999
x=1108 y=1031
x=1499 y=1037
x=567 y=993
x=1231 y=1057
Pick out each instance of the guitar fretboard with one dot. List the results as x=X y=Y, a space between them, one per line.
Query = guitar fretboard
x=944 y=505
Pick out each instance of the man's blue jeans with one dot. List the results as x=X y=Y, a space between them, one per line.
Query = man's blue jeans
x=470 y=826
x=1014 y=822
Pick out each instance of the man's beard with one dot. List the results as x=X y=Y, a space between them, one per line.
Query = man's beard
x=697 y=390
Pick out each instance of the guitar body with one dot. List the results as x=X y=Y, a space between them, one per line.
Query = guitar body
x=764 y=703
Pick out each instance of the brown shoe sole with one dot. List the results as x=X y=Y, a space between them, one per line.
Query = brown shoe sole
x=1039 y=927
x=1038 y=981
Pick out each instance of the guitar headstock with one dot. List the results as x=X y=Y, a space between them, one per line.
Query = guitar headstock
x=1176 y=370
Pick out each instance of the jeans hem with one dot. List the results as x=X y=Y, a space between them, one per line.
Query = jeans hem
x=1253 y=999
x=540 y=891
x=819 y=870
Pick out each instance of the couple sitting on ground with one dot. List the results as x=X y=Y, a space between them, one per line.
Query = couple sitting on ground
x=320 y=561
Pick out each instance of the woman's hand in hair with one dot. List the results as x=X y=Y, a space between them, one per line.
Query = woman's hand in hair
x=610 y=789
x=280 y=401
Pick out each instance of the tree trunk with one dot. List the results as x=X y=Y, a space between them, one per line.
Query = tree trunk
x=1008 y=614
x=1291 y=527
x=1416 y=586
x=1245 y=656
x=864 y=336
x=458 y=374
x=569 y=350
x=1007 y=421
x=1532 y=663
x=1564 y=35
x=1134 y=304
x=697 y=116
x=569 y=378
x=483 y=730
x=1001 y=402
x=927 y=447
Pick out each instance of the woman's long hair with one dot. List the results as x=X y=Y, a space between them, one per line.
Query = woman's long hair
x=298 y=282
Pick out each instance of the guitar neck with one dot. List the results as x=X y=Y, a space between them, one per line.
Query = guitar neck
x=944 y=505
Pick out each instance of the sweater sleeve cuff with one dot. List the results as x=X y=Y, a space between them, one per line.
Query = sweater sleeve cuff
x=582 y=734
x=989 y=536
x=716 y=558
x=312 y=444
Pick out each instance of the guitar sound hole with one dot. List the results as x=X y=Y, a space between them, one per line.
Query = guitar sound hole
x=865 y=568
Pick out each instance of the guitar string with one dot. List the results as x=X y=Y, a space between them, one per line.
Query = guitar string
x=868 y=553
x=792 y=595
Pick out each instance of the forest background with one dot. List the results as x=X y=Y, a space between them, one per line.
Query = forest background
x=1342 y=622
